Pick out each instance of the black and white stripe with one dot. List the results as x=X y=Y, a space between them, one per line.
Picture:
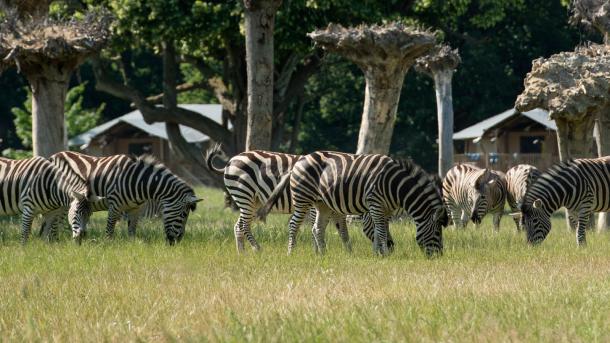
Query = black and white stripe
x=35 y=186
x=128 y=183
x=470 y=192
x=518 y=179
x=350 y=184
x=582 y=186
x=250 y=178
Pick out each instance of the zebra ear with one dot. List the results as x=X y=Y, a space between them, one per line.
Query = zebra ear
x=78 y=196
x=537 y=203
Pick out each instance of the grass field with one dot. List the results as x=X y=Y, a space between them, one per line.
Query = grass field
x=486 y=286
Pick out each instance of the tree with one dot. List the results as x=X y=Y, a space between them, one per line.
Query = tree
x=47 y=51
x=78 y=119
x=260 y=20
x=385 y=54
x=440 y=64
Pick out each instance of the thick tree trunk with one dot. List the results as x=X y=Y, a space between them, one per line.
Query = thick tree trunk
x=379 y=114
x=444 y=107
x=48 y=123
x=259 y=22
x=575 y=140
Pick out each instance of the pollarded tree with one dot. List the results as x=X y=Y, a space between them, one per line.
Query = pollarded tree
x=46 y=52
x=573 y=87
x=440 y=64
x=385 y=54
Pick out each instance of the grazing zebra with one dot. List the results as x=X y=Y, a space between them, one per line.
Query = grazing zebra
x=250 y=177
x=357 y=184
x=34 y=185
x=127 y=184
x=470 y=192
x=582 y=186
x=518 y=178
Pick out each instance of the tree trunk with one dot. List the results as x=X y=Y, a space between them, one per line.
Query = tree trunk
x=48 y=124
x=381 y=98
x=575 y=141
x=183 y=150
x=444 y=107
x=602 y=138
x=259 y=22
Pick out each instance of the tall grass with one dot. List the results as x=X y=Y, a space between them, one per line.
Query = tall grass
x=486 y=287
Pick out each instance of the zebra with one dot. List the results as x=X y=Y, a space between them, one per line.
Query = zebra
x=83 y=165
x=250 y=177
x=356 y=184
x=581 y=185
x=518 y=178
x=127 y=184
x=35 y=186
x=470 y=192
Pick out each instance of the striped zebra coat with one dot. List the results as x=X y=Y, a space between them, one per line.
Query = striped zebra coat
x=518 y=178
x=470 y=192
x=251 y=177
x=582 y=186
x=35 y=186
x=356 y=184
x=128 y=183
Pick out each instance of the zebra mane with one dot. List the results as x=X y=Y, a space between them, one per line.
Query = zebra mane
x=550 y=173
x=150 y=160
x=65 y=168
x=433 y=179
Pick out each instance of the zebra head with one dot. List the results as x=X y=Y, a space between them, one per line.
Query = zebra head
x=79 y=212
x=429 y=233
x=175 y=215
x=536 y=220
x=479 y=195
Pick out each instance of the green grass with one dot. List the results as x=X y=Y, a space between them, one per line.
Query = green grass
x=486 y=287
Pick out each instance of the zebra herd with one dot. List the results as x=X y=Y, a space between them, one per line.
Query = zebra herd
x=323 y=186
x=77 y=185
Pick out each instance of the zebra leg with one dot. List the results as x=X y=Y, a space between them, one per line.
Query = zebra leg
x=26 y=224
x=368 y=228
x=583 y=222
x=51 y=223
x=380 y=241
x=497 y=217
x=132 y=222
x=341 y=224
x=320 y=231
x=113 y=216
x=239 y=236
x=246 y=223
x=295 y=223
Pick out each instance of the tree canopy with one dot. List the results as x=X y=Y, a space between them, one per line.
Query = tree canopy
x=318 y=93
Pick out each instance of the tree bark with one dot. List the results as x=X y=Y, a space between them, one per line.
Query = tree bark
x=381 y=98
x=48 y=124
x=602 y=138
x=444 y=107
x=184 y=151
x=259 y=22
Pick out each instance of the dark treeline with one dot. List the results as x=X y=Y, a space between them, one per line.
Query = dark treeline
x=497 y=41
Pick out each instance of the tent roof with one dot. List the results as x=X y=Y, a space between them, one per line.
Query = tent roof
x=477 y=130
x=136 y=119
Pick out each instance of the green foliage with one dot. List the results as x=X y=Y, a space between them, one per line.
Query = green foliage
x=78 y=119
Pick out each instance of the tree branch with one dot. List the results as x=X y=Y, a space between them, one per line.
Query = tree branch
x=153 y=114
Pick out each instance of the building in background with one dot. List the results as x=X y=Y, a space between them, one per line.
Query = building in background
x=507 y=139
x=130 y=134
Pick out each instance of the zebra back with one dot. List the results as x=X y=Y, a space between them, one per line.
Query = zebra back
x=518 y=179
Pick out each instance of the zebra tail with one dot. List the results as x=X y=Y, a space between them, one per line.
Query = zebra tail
x=264 y=211
x=209 y=158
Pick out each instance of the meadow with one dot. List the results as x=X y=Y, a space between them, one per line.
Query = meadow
x=486 y=287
